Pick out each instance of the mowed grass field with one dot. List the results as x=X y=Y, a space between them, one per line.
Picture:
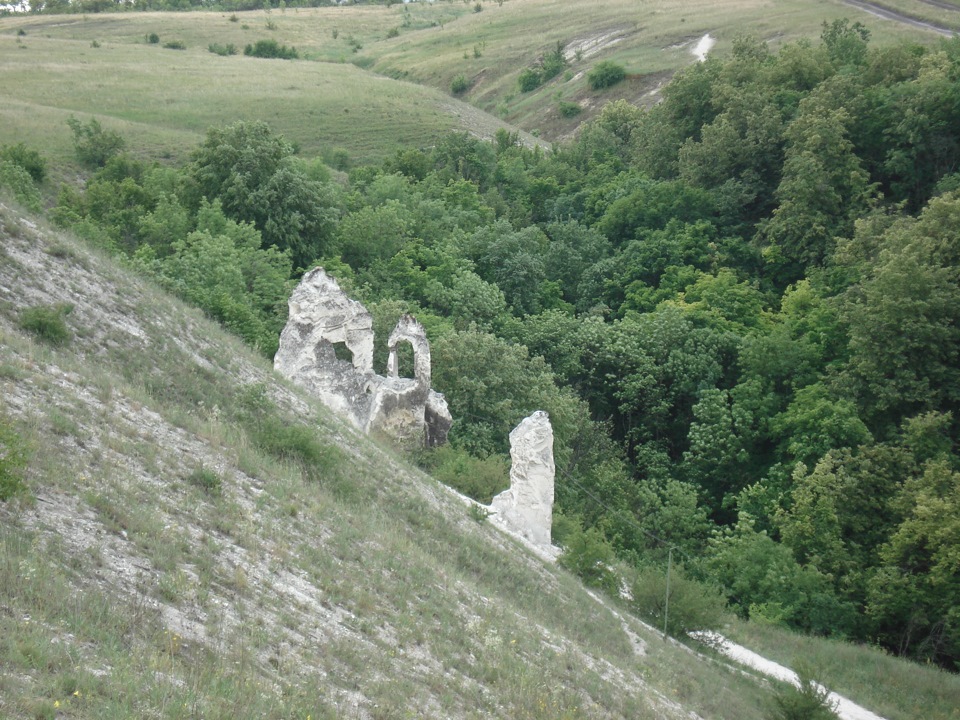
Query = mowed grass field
x=371 y=79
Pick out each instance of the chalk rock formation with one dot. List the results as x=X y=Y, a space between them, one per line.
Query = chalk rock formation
x=327 y=348
x=527 y=507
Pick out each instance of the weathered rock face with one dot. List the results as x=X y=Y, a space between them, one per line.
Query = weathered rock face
x=327 y=347
x=527 y=507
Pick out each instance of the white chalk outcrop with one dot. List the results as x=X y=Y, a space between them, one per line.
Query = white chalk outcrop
x=703 y=47
x=527 y=506
x=327 y=348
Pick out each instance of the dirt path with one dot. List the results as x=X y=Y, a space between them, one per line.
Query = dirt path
x=885 y=14
x=846 y=709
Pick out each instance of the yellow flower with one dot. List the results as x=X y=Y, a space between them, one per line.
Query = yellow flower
x=56 y=703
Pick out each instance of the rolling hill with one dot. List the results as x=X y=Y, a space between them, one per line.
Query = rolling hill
x=370 y=79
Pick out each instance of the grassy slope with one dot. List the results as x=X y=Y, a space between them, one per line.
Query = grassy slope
x=891 y=688
x=163 y=100
x=937 y=14
x=349 y=587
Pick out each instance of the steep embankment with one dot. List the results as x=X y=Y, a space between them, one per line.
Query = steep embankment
x=201 y=540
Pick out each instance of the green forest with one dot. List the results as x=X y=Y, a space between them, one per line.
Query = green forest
x=740 y=308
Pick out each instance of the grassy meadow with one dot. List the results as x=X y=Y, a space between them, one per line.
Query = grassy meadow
x=370 y=79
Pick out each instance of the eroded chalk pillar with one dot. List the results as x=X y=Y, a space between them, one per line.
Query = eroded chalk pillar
x=527 y=507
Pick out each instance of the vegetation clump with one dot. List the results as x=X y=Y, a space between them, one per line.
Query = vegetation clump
x=206 y=479
x=604 y=74
x=93 y=145
x=551 y=65
x=459 y=84
x=809 y=700
x=224 y=50
x=270 y=48
x=48 y=323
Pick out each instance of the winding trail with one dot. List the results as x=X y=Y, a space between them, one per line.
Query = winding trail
x=887 y=14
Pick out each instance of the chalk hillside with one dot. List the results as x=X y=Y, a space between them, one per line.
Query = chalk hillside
x=200 y=539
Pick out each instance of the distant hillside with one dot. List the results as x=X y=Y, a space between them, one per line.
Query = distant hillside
x=370 y=79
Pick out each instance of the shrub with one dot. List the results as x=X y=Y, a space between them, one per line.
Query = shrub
x=205 y=479
x=175 y=45
x=393 y=32
x=27 y=158
x=478 y=8
x=809 y=701
x=217 y=49
x=153 y=38
x=605 y=74
x=459 y=84
x=294 y=443
x=478 y=478
x=271 y=49
x=692 y=605
x=588 y=555
x=530 y=79
x=234 y=18
x=20 y=182
x=569 y=109
x=47 y=323
x=554 y=62
x=93 y=145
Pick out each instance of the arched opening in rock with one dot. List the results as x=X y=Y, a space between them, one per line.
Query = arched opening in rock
x=342 y=352
x=405 y=359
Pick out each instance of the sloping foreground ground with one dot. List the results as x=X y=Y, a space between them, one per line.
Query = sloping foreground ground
x=201 y=540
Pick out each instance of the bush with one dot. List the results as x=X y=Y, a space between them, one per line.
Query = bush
x=19 y=181
x=393 y=32
x=588 y=555
x=692 y=605
x=153 y=38
x=13 y=461
x=294 y=443
x=530 y=79
x=809 y=701
x=459 y=84
x=569 y=109
x=605 y=74
x=93 y=145
x=47 y=323
x=205 y=479
x=175 y=45
x=271 y=49
x=554 y=62
x=217 y=49
x=478 y=478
